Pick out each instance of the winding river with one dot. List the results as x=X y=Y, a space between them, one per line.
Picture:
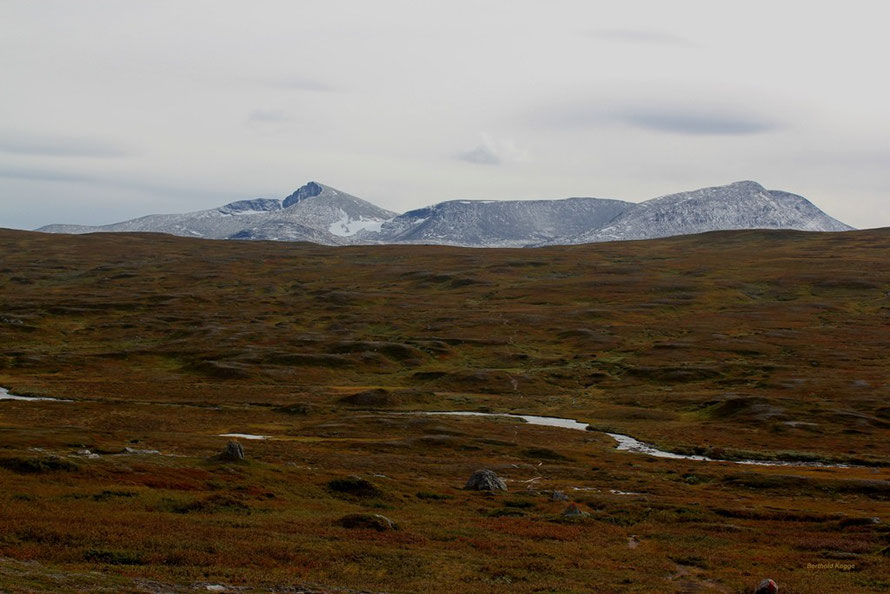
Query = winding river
x=626 y=442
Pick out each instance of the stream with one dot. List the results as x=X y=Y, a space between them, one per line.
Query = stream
x=5 y=395
x=627 y=443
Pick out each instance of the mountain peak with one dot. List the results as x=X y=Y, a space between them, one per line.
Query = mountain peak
x=747 y=185
x=739 y=205
x=308 y=191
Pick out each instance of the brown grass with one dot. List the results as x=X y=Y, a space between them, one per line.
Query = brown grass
x=739 y=343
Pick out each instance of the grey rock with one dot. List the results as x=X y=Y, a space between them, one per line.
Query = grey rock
x=767 y=586
x=135 y=452
x=558 y=496
x=233 y=452
x=251 y=206
x=573 y=511
x=310 y=190
x=485 y=480
x=367 y=522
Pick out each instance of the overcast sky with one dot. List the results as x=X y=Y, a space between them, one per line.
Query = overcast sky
x=116 y=109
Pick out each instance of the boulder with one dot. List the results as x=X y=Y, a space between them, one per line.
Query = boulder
x=233 y=452
x=767 y=586
x=558 y=496
x=135 y=452
x=354 y=486
x=367 y=522
x=573 y=511
x=485 y=480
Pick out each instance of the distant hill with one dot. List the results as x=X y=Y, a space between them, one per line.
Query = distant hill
x=322 y=214
x=314 y=212
x=501 y=223
x=742 y=205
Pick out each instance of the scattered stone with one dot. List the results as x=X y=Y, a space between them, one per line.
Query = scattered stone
x=233 y=452
x=355 y=486
x=87 y=454
x=558 y=496
x=135 y=452
x=573 y=511
x=378 y=398
x=485 y=480
x=367 y=522
x=632 y=541
x=767 y=586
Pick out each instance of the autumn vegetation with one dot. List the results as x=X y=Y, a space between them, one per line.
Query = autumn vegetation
x=735 y=345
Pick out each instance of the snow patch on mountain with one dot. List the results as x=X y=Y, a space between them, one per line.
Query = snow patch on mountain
x=347 y=227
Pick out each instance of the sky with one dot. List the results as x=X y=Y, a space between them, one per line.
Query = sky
x=115 y=109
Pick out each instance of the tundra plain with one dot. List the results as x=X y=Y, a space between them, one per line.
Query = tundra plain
x=768 y=345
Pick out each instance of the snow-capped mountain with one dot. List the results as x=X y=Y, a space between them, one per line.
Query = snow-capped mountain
x=314 y=212
x=498 y=223
x=741 y=205
x=322 y=214
x=335 y=216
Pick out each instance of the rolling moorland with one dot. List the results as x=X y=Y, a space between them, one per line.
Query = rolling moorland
x=764 y=345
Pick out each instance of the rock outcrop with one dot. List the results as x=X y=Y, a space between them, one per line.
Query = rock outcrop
x=485 y=480
x=367 y=522
x=233 y=452
x=573 y=511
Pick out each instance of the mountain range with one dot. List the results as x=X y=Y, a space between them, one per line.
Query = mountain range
x=322 y=214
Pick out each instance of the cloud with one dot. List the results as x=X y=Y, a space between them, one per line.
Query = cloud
x=30 y=143
x=493 y=152
x=697 y=122
x=481 y=155
x=43 y=175
x=300 y=83
x=636 y=36
x=267 y=116
x=48 y=175
x=701 y=115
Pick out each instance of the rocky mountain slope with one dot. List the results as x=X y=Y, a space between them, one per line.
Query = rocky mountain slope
x=494 y=223
x=314 y=212
x=322 y=214
x=742 y=205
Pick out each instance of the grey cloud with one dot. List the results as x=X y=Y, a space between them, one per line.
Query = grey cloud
x=300 y=83
x=268 y=116
x=29 y=143
x=639 y=37
x=481 y=155
x=698 y=122
x=48 y=175
x=42 y=175
x=704 y=118
x=494 y=151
